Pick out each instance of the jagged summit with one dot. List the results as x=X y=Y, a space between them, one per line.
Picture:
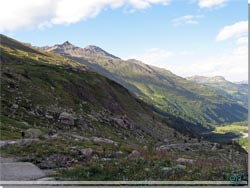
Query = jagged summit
x=70 y=49
x=66 y=43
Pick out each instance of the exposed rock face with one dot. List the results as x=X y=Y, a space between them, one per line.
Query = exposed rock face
x=123 y=122
x=66 y=118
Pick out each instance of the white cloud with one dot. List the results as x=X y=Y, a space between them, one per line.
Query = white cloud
x=211 y=3
x=233 y=66
x=242 y=40
x=15 y=14
x=187 y=19
x=235 y=30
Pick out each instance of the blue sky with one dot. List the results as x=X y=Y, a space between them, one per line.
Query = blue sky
x=187 y=37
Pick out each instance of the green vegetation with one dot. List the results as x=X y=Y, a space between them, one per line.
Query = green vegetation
x=244 y=143
x=234 y=128
x=238 y=128
x=236 y=92
x=165 y=91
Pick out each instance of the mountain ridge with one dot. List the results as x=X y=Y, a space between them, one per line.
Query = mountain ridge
x=168 y=92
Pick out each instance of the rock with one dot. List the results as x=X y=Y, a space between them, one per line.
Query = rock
x=166 y=141
x=66 y=118
x=146 y=169
x=106 y=159
x=95 y=157
x=134 y=154
x=34 y=133
x=49 y=116
x=215 y=147
x=20 y=171
x=191 y=161
x=87 y=152
x=15 y=106
x=24 y=123
x=103 y=140
x=166 y=169
x=145 y=147
x=181 y=166
x=122 y=122
x=118 y=153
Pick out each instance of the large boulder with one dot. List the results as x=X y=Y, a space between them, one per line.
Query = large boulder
x=34 y=133
x=66 y=118
x=87 y=152
x=134 y=154
x=20 y=171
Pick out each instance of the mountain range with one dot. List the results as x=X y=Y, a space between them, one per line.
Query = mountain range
x=237 y=92
x=166 y=92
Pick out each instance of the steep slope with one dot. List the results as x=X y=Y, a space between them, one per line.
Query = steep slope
x=42 y=84
x=237 y=92
x=166 y=92
x=83 y=126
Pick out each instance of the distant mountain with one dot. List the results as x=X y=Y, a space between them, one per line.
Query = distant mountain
x=165 y=91
x=242 y=82
x=238 y=92
x=68 y=48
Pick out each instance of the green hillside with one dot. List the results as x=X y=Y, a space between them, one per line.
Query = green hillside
x=237 y=92
x=80 y=125
x=166 y=91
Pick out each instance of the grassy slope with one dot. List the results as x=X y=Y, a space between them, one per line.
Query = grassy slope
x=235 y=92
x=43 y=84
x=238 y=128
x=172 y=94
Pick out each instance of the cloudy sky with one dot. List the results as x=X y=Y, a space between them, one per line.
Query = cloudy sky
x=187 y=37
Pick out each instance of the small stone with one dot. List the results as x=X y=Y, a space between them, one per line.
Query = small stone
x=146 y=169
x=15 y=106
x=191 y=161
x=166 y=169
x=87 y=152
x=181 y=166
x=134 y=154
x=49 y=117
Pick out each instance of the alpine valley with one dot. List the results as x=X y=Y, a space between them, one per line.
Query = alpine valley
x=88 y=115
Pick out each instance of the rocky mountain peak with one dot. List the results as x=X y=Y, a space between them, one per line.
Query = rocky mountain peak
x=67 y=43
x=97 y=50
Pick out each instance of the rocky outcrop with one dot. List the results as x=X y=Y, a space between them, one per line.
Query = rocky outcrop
x=66 y=118
x=103 y=140
x=134 y=154
x=87 y=152
x=34 y=133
